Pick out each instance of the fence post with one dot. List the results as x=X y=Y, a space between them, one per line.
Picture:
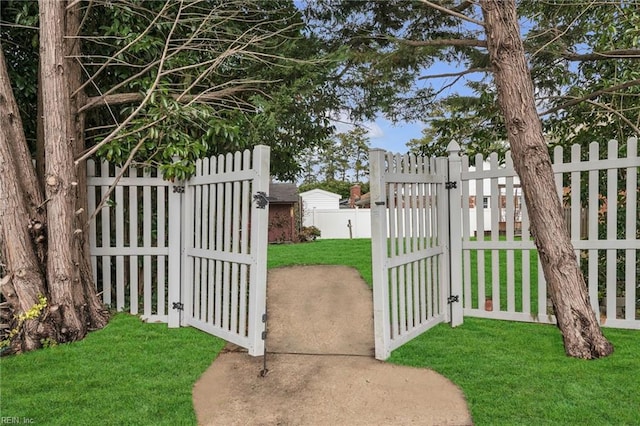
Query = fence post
x=175 y=253
x=379 y=253
x=454 y=196
x=259 y=244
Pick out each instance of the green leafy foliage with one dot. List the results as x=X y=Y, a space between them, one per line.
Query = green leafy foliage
x=579 y=52
x=184 y=80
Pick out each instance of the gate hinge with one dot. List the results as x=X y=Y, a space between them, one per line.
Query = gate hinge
x=450 y=184
x=178 y=189
x=452 y=299
x=264 y=317
x=178 y=305
x=264 y=335
x=261 y=199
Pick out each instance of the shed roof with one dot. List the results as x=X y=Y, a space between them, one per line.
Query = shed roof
x=283 y=193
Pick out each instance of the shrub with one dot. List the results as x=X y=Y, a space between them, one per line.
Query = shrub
x=308 y=233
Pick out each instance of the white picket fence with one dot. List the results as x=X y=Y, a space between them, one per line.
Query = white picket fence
x=428 y=244
x=190 y=253
x=356 y=223
x=225 y=248
x=339 y=223
x=130 y=240
x=485 y=266
x=498 y=268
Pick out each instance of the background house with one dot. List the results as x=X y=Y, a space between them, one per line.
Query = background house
x=283 y=205
x=319 y=199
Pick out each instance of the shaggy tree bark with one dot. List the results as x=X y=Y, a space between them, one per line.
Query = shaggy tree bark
x=576 y=319
x=69 y=288
x=42 y=243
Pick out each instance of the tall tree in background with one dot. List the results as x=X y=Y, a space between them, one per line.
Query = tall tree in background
x=341 y=162
x=152 y=81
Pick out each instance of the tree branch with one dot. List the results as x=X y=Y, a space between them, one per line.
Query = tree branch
x=462 y=6
x=598 y=56
x=127 y=98
x=453 y=12
x=591 y=96
x=455 y=74
x=114 y=133
x=465 y=42
x=635 y=128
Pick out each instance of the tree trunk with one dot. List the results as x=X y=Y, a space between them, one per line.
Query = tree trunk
x=24 y=281
x=576 y=319
x=66 y=260
x=76 y=123
x=20 y=239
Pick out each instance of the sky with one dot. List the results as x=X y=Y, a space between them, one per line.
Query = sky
x=384 y=134
x=394 y=137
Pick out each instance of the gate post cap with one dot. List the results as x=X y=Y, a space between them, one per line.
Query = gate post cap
x=453 y=147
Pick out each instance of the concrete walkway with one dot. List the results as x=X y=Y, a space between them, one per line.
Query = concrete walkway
x=321 y=369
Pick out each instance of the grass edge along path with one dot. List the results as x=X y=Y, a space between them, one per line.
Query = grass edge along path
x=511 y=373
x=517 y=373
x=130 y=372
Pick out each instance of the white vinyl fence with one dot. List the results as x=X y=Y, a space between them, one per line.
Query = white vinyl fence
x=409 y=248
x=499 y=268
x=482 y=261
x=339 y=223
x=356 y=223
x=191 y=253
x=130 y=240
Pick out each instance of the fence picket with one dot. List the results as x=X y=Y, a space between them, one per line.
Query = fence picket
x=133 y=242
x=119 y=234
x=480 y=234
x=594 y=204
x=612 y=230
x=91 y=205
x=631 y=219
x=235 y=242
x=495 y=234
x=226 y=268
x=510 y=193
x=161 y=274
x=526 y=261
x=105 y=217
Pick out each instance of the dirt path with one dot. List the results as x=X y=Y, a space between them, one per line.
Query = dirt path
x=321 y=365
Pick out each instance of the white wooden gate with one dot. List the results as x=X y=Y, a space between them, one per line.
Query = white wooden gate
x=409 y=243
x=225 y=247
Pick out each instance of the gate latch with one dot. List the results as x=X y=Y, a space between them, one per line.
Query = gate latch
x=450 y=184
x=261 y=199
x=452 y=299
x=178 y=305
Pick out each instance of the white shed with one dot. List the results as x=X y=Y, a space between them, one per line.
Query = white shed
x=320 y=199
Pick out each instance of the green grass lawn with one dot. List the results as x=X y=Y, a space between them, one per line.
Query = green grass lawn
x=132 y=373
x=129 y=373
x=502 y=273
x=517 y=374
x=355 y=253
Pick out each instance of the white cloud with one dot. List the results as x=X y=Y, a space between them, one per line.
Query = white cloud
x=373 y=130
x=343 y=124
